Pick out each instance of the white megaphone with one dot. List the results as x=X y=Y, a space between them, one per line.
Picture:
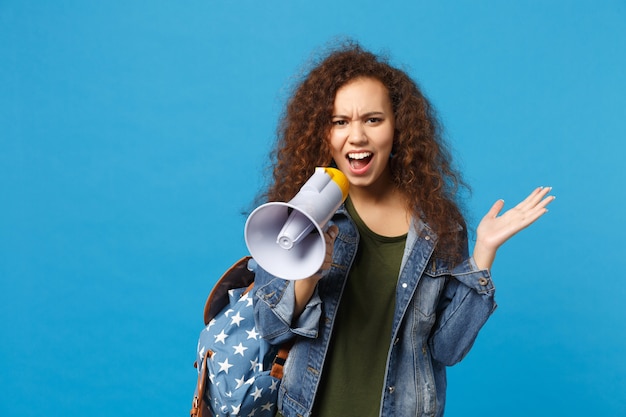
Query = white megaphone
x=287 y=239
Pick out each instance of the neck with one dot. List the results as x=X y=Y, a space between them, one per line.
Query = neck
x=382 y=192
x=384 y=196
x=385 y=212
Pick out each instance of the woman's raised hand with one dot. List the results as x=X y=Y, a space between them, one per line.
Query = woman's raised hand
x=494 y=229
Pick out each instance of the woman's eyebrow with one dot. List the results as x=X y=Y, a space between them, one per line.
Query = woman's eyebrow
x=374 y=113
x=368 y=114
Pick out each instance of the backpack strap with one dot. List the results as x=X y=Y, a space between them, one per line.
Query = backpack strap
x=198 y=406
x=279 y=360
x=237 y=276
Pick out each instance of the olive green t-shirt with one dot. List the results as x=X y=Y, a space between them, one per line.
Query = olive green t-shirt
x=354 y=370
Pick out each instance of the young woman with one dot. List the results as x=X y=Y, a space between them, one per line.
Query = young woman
x=398 y=298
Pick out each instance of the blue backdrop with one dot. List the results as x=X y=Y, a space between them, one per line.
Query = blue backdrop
x=134 y=133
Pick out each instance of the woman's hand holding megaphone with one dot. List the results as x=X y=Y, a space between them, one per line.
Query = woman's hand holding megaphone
x=304 y=288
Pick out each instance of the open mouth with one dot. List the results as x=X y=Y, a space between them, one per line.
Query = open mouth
x=359 y=160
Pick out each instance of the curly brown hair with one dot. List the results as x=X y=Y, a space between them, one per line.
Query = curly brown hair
x=421 y=165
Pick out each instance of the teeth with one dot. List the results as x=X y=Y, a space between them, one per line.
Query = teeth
x=359 y=155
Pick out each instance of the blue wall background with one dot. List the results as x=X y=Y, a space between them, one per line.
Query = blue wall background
x=134 y=133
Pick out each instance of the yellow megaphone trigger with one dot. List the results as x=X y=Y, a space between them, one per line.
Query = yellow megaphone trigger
x=340 y=179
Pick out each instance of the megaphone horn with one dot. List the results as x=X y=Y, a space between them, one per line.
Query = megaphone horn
x=287 y=239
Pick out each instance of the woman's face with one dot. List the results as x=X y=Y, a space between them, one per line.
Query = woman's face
x=361 y=136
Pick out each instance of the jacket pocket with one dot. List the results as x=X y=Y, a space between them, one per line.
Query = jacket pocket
x=429 y=291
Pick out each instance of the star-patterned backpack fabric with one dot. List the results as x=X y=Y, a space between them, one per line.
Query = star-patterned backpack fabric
x=238 y=371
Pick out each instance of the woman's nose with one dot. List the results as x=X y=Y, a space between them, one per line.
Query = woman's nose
x=357 y=133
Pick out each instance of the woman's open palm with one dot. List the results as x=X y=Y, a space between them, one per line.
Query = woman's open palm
x=495 y=229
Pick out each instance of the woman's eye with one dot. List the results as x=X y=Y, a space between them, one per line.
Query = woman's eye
x=373 y=120
x=339 y=122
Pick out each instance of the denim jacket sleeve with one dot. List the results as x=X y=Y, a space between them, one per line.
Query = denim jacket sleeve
x=466 y=304
x=274 y=303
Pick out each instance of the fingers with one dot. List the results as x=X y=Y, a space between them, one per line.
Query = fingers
x=330 y=235
x=332 y=232
x=495 y=209
x=545 y=199
x=534 y=206
x=537 y=204
x=537 y=197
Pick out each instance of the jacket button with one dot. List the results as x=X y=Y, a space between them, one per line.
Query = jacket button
x=427 y=237
x=391 y=389
x=482 y=281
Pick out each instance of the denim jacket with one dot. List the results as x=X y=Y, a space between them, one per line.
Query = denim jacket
x=439 y=311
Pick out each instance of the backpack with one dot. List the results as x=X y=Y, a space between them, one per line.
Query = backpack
x=238 y=371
